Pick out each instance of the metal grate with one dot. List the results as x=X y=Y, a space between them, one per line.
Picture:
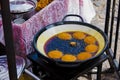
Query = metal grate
x=112 y=28
x=112 y=25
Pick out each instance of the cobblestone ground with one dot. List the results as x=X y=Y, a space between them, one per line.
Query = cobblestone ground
x=99 y=21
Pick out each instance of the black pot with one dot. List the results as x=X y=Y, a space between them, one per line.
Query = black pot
x=47 y=32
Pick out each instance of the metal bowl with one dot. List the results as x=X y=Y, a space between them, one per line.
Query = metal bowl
x=21 y=6
x=65 y=26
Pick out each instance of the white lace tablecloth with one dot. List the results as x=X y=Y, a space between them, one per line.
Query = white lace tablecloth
x=54 y=12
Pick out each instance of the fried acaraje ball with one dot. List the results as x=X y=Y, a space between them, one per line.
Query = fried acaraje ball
x=64 y=36
x=90 y=40
x=69 y=58
x=84 y=55
x=91 y=48
x=55 y=54
x=79 y=35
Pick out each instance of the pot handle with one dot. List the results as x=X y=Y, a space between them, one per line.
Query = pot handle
x=74 y=16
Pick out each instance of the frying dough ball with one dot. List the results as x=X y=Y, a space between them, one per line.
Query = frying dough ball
x=84 y=55
x=79 y=35
x=64 y=36
x=90 y=40
x=91 y=48
x=55 y=54
x=68 y=58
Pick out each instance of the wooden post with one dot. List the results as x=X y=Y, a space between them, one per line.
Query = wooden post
x=8 y=35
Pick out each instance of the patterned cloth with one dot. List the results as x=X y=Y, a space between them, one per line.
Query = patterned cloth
x=20 y=63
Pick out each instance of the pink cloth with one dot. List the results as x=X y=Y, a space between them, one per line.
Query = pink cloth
x=24 y=33
x=81 y=2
